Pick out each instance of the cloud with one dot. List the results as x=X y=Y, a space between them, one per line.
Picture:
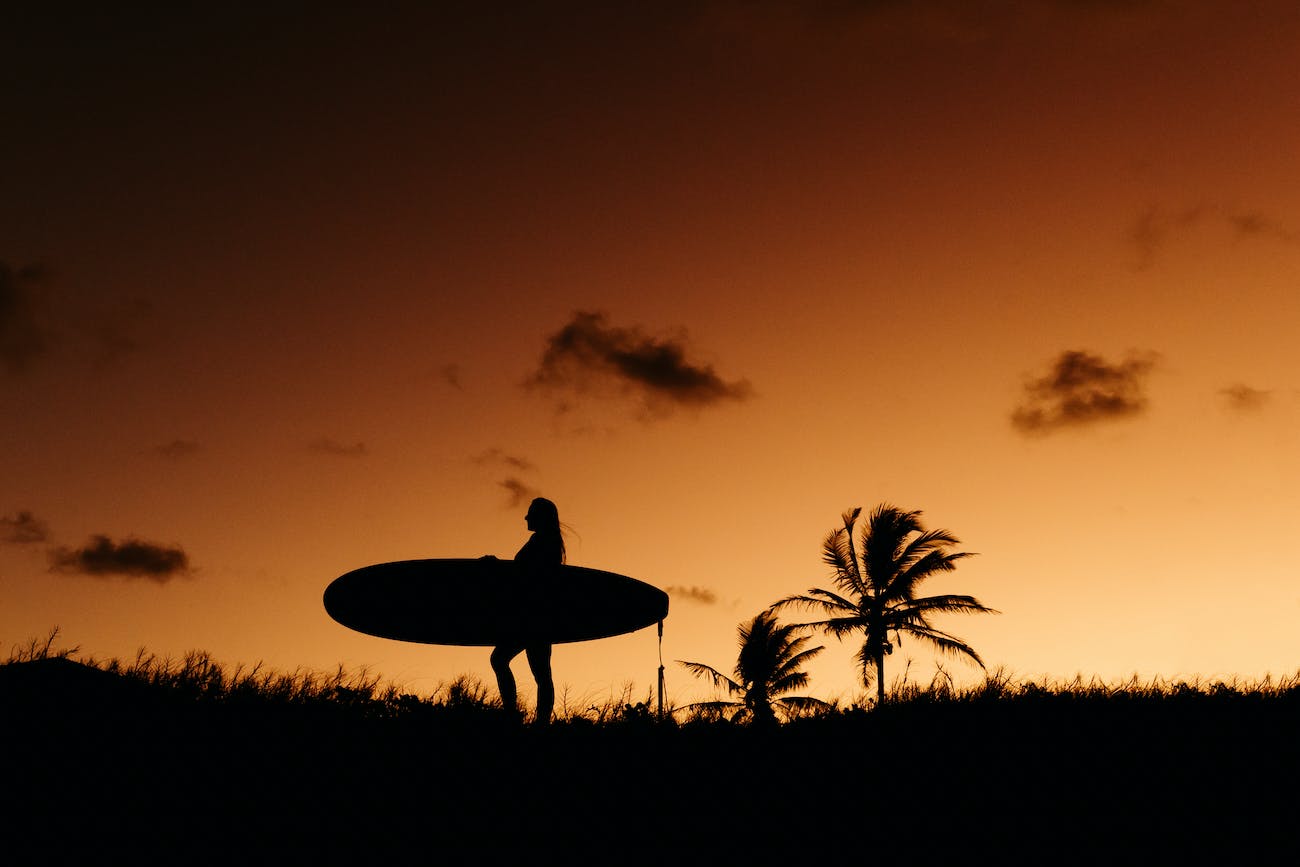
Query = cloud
x=327 y=446
x=590 y=356
x=702 y=595
x=496 y=455
x=1151 y=230
x=1155 y=228
x=521 y=493
x=1083 y=389
x=450 y=374
x=101 y=557
x=1253 y=224
x=177 y=448
x=1243 y=398
x=23 y=528
x=24 y=335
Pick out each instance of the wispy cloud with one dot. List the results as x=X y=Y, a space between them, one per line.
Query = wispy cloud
x=1149 y=233
x=451 y=374
x=702 y=595
x=102 y=557
x=521 y=493
x=589 y=356
x=1155 y=228
x=498 y=457
x=24 y=332
x=1256 y=224
x=1242 y=398
x=23 y=528
x=1082 y=389
x=334 y=448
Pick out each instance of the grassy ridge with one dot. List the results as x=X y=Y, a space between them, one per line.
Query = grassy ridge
x=180 y=758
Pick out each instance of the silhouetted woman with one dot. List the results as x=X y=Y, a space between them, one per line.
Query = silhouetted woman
x=543 y=551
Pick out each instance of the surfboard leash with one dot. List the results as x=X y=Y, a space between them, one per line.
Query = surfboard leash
x=661 y=669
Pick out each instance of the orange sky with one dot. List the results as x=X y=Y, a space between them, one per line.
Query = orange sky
x=273 y=283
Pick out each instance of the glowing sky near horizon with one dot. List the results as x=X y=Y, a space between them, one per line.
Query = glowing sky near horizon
x=285 y=292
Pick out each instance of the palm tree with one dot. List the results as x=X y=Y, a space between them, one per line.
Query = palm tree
x=768 y=667
x=875 y=587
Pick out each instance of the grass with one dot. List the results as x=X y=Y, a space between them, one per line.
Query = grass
x=197 y=677
x=193 y=757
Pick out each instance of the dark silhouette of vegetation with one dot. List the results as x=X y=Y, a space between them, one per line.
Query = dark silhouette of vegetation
x=767 y=668
x=876 y=584
x=199 y=680
x=152 y=759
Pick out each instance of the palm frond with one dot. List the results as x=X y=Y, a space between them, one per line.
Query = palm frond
x=720 y=680
x=802 y=703
x=713 y=707
x=838 y=553
x=946 y=643
x=929 y=564
x=838 y=626
x=949 y=604
x=790 y=682
x=855 y=580
x=924 y=542
x=817 y=598
x=796 y=661
x=883 y=541
x=866 y=664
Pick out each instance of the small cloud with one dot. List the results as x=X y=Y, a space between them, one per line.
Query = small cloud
x=327 y=446
x=24 y=334
x=1243 y=398
x=1083 y=389
x=590 y=356
x=521 y=493
x=177 y=448
x=23 y=528
x=702 y=595
x=101 y=557
x=1254 y=224
x=1150 y=232
x=1156 y=227
x=496 y=456
x=450 y=374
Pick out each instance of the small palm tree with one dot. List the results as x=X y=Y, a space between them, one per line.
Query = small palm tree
x=768 y=667
x=875 y=587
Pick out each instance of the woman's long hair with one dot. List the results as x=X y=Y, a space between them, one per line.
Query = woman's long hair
x=548 y=521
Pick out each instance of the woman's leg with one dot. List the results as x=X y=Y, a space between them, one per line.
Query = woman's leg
x=539 y=660
x=501 y=657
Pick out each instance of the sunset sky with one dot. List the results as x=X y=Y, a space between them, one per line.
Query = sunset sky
x=286 y=291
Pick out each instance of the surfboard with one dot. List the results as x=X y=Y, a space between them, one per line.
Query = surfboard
x=486 y=602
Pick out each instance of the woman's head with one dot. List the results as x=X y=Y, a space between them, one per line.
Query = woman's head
x=543 y=516
x=544 y=520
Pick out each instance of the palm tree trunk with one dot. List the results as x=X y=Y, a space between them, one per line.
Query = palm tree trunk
x=880 y=680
